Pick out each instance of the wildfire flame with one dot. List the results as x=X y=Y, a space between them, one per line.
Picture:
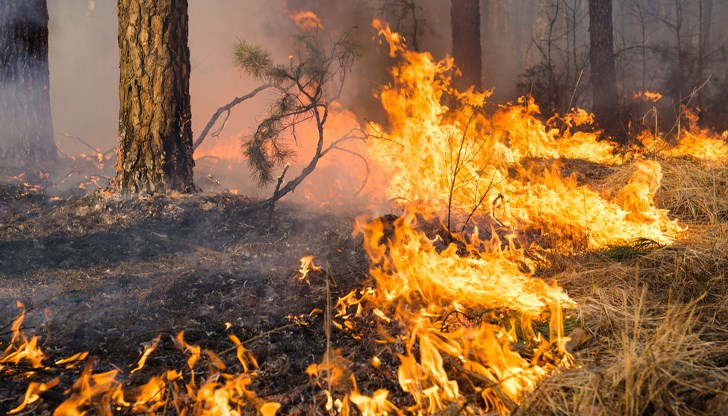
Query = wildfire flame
x=457 y=165
x=219 y=393
x=482 y=197
x=20 y=348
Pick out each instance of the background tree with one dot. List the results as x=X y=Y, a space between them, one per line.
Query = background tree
x=26 y=132
x=605 y=100
x=405 y=17
x=466 y=46
x=155 y=133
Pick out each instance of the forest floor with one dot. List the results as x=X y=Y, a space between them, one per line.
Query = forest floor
x=107 y=275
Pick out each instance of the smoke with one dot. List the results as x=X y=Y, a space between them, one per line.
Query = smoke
x=84 y=70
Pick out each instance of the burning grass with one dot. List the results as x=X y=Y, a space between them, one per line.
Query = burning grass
x=532 y=269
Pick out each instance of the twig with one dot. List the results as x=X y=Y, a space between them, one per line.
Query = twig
x=226 y=109
x=480 y=202
x=687 y=100
x=113 y=149
x=456 y=170
x=366 y=166
x=573 y=94
x=259 y=336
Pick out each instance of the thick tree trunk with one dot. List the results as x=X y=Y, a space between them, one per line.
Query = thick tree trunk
x=155 y=133
x=603 y=74
x=26 y=132
x=466 y=48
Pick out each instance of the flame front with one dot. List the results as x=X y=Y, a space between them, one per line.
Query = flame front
x=467 y=298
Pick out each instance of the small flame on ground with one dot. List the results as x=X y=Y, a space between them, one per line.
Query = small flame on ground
x=307 y=265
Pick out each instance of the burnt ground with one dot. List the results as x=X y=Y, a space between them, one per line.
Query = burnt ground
x=107 y=275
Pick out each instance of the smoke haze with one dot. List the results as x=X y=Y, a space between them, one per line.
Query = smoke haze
x=518 y=37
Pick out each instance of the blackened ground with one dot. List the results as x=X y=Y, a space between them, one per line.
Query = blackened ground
x=107 y=275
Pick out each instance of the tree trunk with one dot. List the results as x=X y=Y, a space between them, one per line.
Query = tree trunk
x=155 y=133
x=705 y=8
x=26 y=131
x=466 y=49
x=603 y=74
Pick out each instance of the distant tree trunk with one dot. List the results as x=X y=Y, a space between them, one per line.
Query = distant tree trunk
x=26 y=131
x=603 y=74
x=466 y=49
x=705 y=8
x=155 y=133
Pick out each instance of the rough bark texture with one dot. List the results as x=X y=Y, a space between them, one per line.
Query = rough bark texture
x=466 y=48
x=26 y=132
x=603 y=74
x=155 y=133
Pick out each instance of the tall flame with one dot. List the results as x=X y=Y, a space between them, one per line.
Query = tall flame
x=455 y=164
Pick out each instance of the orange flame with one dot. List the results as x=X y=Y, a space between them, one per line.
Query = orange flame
x=459 y=165
x=33 y=394
x=307 y=20
x=647 y=96
x=20 y=348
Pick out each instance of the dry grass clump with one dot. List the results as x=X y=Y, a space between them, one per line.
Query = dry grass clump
x=655 y=318
x=652 y=363
x=694 y=192
x=643 y=356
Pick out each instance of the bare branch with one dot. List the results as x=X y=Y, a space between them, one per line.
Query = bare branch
x=226 y=109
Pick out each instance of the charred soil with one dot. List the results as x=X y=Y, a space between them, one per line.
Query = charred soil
x=107 y=275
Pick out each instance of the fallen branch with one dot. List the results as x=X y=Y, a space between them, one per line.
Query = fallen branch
x=226 y=109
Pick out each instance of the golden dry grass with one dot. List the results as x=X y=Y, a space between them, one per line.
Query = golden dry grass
x=656 y=318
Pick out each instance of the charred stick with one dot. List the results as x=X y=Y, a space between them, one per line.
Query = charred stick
x=52 y=396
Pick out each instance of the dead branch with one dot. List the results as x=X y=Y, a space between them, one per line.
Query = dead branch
x=275 y=193
x=226 y=109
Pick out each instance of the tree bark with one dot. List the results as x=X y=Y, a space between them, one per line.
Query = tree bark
x=466 y=47
x=605 y=100
x=155 y=133
x=26 y=131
